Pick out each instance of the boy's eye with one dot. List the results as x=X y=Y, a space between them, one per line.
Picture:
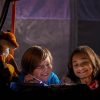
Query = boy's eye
x=44 y=66
x=48 y=64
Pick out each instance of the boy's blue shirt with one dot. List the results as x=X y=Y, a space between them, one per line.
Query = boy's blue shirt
x=53 y=79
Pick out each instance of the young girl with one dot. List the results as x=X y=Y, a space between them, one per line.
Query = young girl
x=84 y=67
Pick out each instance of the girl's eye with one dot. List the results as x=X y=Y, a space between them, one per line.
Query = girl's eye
x=85 y=63
x=75 y=65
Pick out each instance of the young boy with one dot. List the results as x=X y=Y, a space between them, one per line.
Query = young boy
x=37 y=66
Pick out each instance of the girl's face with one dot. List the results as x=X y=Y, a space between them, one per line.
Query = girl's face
x=43 y=70
x=82 y=66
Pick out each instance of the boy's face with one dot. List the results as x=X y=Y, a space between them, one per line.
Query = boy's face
x=43 y=70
